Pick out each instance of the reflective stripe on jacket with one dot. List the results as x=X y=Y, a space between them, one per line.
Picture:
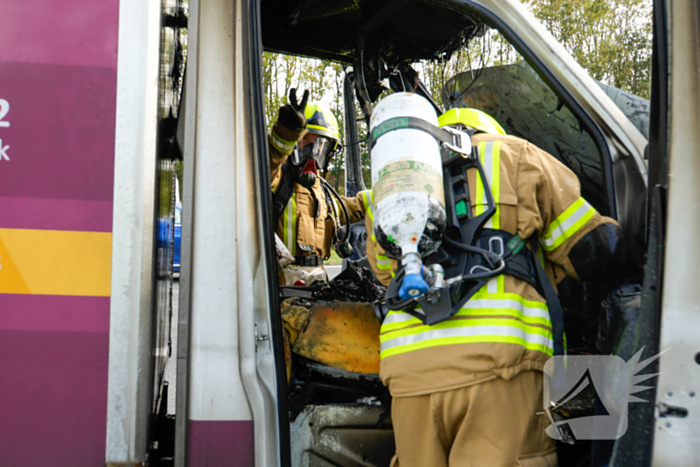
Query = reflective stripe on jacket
x=490 y=316
x=289 y=225
x=382 y=265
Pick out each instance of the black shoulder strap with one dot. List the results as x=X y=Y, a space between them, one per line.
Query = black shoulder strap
x=556 y=313
x=284 y=191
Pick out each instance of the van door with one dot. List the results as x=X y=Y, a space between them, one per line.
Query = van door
x=674 y=148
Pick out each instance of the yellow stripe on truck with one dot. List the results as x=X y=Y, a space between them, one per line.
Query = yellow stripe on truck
x=55 y=262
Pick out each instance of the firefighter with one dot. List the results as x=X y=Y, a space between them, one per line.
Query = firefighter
x=309 y=213
x=468 y=391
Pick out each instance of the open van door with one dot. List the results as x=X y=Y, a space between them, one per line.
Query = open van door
x=674 y=166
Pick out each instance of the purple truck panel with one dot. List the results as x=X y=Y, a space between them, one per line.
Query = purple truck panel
x=58 y=72
x=221 y=443
x=55 y=214
x=69 y=32
x=54 y=397
x=61 y=136
x=49 y=313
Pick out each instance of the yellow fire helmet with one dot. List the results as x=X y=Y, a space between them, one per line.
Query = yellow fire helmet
x=472 y=118
x=321 y=121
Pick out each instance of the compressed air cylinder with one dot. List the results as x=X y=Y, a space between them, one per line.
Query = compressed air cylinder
x=408 y=195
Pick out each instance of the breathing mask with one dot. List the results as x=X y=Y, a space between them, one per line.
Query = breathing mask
x=317 y=148
x=312 y=157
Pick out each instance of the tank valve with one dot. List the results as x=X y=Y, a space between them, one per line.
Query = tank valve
x=413 y=283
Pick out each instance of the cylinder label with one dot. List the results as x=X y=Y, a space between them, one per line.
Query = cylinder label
x=408 y=176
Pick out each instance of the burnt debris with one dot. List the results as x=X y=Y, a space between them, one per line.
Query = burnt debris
x=355 y=284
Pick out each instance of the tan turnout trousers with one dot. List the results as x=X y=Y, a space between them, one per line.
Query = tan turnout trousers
x=498 y=423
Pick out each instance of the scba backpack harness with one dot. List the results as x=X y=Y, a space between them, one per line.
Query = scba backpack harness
x=470 y=254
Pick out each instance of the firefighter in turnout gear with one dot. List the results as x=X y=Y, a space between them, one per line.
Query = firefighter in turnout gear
x=310 y=216
x=467 y=391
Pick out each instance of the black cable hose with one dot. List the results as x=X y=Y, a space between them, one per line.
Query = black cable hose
x=332 y=206
x=342 y=205
x=486 y=254
x=329 y=195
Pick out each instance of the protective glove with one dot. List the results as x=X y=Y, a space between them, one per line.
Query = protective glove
x=291 y=116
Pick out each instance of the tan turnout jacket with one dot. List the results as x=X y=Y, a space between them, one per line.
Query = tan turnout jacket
x=505 y=328
x=307 y=224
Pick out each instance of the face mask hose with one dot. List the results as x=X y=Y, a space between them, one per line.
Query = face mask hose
x=308 y=175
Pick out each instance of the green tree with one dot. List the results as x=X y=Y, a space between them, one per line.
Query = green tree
x=611 y=39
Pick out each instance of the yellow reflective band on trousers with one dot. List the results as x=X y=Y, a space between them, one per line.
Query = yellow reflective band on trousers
x=290 y=225
x=490 y=154
x=567 y=224
x=486 y=318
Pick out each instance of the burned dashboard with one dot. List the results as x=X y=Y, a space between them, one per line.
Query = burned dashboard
x=395 y=30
